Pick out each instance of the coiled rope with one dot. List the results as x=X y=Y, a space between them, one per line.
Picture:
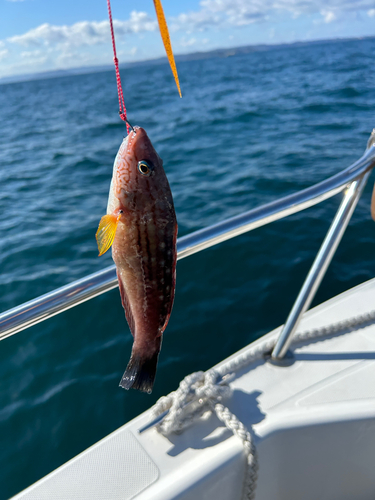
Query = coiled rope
x=202 y=392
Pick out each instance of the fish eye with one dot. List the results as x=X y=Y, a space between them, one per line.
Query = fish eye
x=145 y=168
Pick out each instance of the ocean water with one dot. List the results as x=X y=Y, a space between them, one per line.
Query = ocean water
x=249 y=129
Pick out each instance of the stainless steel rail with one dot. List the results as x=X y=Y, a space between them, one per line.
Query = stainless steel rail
x=320 y=265
x=46 y=306
x=322 y=260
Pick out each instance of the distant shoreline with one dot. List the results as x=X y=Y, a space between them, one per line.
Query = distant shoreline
x=193 y=56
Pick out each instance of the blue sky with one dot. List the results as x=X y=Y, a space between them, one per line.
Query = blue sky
x=43 y=35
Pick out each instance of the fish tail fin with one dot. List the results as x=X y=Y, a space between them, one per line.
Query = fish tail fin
x=140 y=372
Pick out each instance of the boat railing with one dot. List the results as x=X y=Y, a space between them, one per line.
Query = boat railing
x=351 y=181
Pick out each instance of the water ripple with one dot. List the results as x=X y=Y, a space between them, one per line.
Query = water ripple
x=249 y=129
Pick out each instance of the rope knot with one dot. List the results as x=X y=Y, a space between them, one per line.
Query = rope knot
x=201 y=391
x=197 y=394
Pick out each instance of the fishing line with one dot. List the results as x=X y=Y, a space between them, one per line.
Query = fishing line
x=121 y=102
x=168 y=48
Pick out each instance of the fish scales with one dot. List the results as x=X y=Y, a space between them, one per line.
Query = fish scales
x=144 y=250
x=142 y=257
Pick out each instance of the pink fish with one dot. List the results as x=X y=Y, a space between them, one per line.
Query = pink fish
x=141 y=227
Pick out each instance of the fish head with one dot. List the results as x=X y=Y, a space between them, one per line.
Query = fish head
x=138 y=178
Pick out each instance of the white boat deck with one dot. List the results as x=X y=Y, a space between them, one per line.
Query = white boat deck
x=314 y=425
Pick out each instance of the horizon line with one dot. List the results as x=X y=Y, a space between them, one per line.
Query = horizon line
x=219 y=52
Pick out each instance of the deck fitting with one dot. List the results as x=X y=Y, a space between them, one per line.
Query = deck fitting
x=287 y=360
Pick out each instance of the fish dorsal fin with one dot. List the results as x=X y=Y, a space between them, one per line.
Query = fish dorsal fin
x=106 y=232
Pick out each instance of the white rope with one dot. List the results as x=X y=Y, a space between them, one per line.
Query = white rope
x=237 y=427
x=266 y=346
x=198 y=393
x=201 y=392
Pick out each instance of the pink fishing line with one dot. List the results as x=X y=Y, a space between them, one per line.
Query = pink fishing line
x=121 y=102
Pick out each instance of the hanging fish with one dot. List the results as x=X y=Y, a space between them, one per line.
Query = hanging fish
x=141 y=227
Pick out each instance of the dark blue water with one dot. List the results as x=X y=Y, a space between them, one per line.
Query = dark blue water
x=249 y=129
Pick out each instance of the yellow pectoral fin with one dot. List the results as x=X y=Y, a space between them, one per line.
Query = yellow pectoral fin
x=166 y=40
x=106 y=232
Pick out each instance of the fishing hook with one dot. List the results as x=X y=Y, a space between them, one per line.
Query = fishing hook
x=126 y=121
x=133 y=130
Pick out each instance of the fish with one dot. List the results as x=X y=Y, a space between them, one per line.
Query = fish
x=141 y=227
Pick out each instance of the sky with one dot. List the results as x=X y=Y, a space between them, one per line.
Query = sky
x=45 y=35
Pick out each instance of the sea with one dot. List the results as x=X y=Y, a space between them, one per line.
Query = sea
x=249 y=129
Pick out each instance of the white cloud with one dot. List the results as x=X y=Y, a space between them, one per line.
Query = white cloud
x=88 y=42
x=33 y=57
x=3 y=53
x=84 y=32
x=328 y=16
x=84 y=43
x=244 y=12
x=188 y=43
x=211 y=14
x=31 y=54
x=200 y=20
x=127 y=51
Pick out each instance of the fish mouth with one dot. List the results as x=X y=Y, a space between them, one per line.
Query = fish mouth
x=133 y=132
x=141 y=144
x=133 y=136
x=137 y=134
